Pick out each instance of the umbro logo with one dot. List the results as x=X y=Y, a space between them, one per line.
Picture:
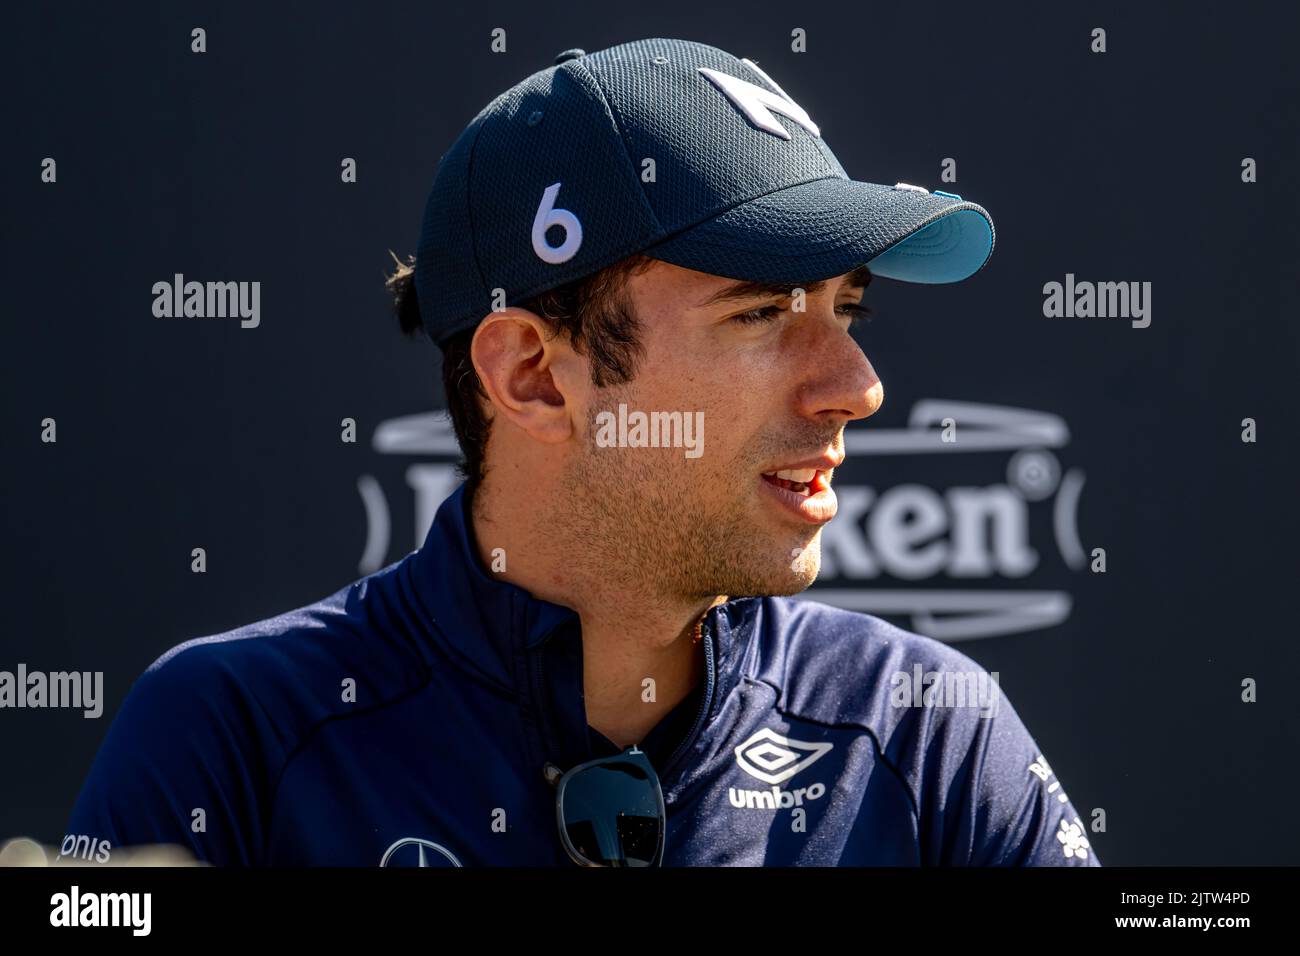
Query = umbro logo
x=774 y=759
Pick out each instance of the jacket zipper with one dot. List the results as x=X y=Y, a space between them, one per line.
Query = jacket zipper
x=704 y=700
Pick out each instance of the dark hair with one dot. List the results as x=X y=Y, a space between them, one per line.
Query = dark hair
x=593 y=312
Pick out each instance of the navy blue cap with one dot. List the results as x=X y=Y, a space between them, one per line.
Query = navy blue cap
x=679 y=151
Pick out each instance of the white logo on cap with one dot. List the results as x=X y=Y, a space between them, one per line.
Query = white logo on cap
x=547 y=216
x=758 y=103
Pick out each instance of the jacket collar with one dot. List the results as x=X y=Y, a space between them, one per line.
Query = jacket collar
x=486 y=621
x=492 y=626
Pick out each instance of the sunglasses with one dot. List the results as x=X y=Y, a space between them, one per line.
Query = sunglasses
x=610 y=811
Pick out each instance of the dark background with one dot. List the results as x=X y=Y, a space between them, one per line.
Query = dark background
x=1123 y=166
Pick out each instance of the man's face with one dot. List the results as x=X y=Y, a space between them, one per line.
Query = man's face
x=772 y=388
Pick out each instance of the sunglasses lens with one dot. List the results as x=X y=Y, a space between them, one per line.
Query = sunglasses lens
x=612 y=815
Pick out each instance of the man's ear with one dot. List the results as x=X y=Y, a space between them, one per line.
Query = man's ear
x=528 y=372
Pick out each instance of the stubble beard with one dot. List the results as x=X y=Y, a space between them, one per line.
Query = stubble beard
x=643 y=524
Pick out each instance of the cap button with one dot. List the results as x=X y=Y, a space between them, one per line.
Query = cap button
x=570 y=54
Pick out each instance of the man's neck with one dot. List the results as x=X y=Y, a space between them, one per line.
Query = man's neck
x=641 y=654
x=632 y=677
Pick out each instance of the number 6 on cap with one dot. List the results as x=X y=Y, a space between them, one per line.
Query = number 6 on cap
x=547 y=216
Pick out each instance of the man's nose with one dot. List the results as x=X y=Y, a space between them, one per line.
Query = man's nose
x=840 y=380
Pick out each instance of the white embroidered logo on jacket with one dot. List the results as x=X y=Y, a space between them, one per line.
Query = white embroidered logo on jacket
x=774 y=758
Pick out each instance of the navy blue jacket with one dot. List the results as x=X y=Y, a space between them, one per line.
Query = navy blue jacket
x=801 y=746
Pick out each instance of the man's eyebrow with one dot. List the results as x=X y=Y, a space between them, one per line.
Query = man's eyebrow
x=748 y=289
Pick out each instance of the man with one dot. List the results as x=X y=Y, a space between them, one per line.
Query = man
x=641 y=266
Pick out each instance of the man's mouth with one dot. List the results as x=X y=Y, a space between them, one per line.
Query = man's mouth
x=802 y=490
x=802 y=481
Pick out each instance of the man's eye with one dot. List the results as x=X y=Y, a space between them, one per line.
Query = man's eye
x=856 y=313
x=758 y=316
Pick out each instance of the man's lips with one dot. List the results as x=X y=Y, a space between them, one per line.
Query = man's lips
x=804 y=488
x=803 y=481
x=809 y=476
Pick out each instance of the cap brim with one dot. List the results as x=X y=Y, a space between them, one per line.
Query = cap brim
x=827 y=227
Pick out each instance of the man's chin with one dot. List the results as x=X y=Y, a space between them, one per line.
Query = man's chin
x=789 y=586
x=780 y=580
